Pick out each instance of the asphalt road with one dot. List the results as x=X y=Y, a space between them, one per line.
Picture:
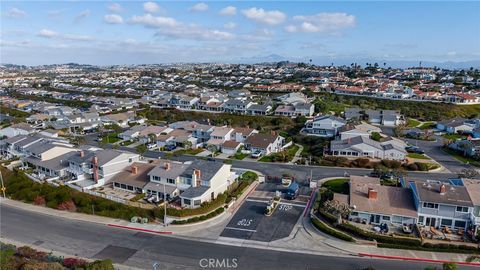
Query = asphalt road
x=142 y=250
x=302 y=171
x=434 y=150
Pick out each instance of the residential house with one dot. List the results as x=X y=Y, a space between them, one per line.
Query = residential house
x=240 y=134
x=362 y=146
x=353 y=113
x=323 y=126
x=237 y=106
x=95 y=168
x=16 y=129
x=218 y=137
x=468 y=148
x=363 y=129
x=374 y=203
x=264 y=144
x=259 y=109
x=455 y=125
x=441 y=204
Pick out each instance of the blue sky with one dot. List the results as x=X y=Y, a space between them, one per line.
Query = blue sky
x=123 y=32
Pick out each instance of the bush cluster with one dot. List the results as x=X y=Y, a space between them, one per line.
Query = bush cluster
x=326 y=229
x=200 y=218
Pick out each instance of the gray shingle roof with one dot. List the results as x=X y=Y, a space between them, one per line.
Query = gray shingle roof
x=454 y=195
x=193 y=192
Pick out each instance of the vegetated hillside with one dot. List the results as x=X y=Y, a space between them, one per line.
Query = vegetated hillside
x=425 y=111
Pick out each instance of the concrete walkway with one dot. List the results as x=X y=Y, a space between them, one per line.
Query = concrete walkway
x=297 y=154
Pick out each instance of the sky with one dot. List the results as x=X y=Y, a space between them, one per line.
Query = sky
x=142 y=32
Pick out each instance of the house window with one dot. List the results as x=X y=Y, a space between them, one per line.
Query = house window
x=446 y=222
x=170 y=181
x=186 y=201
x=387 y=218
x=430 y=205
x=420 y=219
x=396 y=219
x=460 y=224
x=354 y=214
x=462 y=209
x=116 y=184
x=130 y=160
x=197 y=202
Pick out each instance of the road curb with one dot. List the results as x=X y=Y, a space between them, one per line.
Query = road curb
x=414 y=259
x=138 y=229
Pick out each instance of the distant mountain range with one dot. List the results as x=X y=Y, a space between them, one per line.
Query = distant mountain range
x=326 y=61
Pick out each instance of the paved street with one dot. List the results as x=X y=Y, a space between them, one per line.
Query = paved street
x=142 y=250
x=434 y=150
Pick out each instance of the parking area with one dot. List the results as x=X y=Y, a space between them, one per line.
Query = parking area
x=250 y=222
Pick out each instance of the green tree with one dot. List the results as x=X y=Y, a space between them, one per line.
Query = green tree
x=141 y=149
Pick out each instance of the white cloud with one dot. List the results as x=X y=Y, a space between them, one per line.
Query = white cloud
x=113 y=19
x=259 y=15
x=452 y=53
x=151 y=7
x=153 y=21
x=16 y=13
x=230 y=25
x=194 y=32
x=55 y=14
x=228 y=11
x=115 y=8
x=76 y=37
x=82 y=15
x=322 y=23
x=199 y=7
x=46 y=33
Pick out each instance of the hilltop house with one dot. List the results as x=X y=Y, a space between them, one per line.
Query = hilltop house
x=323 y=126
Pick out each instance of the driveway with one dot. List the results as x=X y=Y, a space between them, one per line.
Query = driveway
x=435 y=151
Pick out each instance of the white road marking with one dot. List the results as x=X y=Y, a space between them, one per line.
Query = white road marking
x=240 y=229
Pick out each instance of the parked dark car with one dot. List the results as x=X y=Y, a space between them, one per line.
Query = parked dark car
x=292 y=191
x=414 y=149
x=170 y=147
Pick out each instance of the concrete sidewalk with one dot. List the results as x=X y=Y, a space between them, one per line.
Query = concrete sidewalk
x=304 y=238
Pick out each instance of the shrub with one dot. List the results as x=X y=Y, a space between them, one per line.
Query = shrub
x=100 y=265
x=379 y=238
x=326 y=229
x=39 y=200
x=200 y=218
x=391 y=164
x=68 y=206
x=74 y=262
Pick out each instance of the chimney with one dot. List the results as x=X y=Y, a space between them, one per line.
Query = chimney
x=167 y=166
x=443 y=189
x=198 y=175
x=82 y=153
x=372 y=194
x=95 y=168
x=134 y=169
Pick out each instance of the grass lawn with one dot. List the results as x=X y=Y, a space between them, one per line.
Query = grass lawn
x=461 y=158
x=453 y=136
x=125 y=143
x=111 y=138
x=339 y=185
x=192 y=152
x=413 y=122
x=284 y=156
x=418 y=156
x=239 y=156
x=427 y=125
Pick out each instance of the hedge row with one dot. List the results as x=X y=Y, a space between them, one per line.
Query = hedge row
x=328 y=230
x=206 y=207
x=200 y=218
x=435 y=247
x=20 y=187
x=379 y=238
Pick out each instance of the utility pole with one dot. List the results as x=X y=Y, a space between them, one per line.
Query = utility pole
x=165 y=206
x=3 y=187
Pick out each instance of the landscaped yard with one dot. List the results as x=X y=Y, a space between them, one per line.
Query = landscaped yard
x=239 y=156
x=427 y=125
x=125 y=143
x=453 y=136
x=413 y=122
x=111 y=138
x=190 y=151
x=283 y=156
x=417 y=156
x=339 y=185
x=461 y=158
